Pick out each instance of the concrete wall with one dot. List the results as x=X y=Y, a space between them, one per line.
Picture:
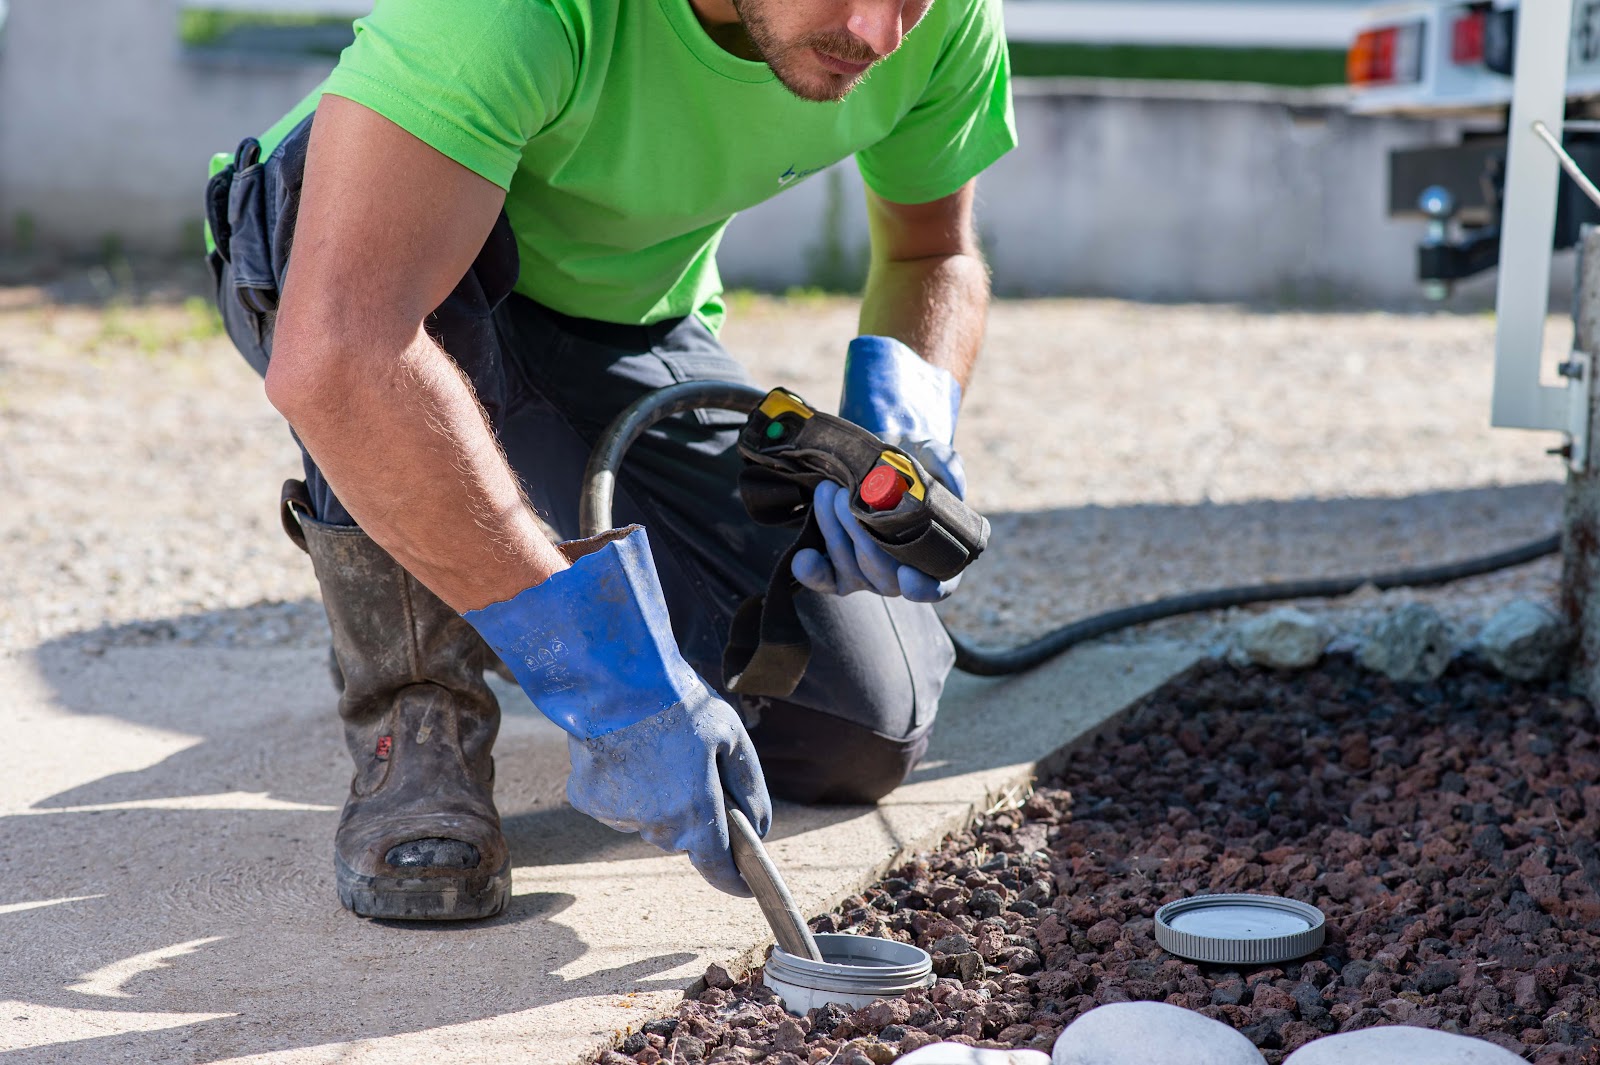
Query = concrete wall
x=106 y=125
x=1158 y=190
x=1184 y=196
x=1151 y=191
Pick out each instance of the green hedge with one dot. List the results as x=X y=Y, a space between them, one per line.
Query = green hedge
x=1267 y=66
x=202 y=28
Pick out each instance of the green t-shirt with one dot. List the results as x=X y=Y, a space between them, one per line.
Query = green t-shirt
x=626 y=139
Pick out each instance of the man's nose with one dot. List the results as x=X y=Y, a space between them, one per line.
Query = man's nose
x=880 y=23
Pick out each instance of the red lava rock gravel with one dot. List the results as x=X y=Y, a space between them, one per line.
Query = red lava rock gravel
x=1447 y=830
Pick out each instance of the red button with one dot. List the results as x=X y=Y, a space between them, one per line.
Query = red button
x=883 y=488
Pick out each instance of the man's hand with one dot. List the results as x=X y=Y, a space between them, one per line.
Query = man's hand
x=667 y=779
x=910 y=405
x=387 y=227
x=654 y=750
x=922 y=323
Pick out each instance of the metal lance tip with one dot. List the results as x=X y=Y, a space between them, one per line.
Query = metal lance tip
x=788 y=924
x=807 y=971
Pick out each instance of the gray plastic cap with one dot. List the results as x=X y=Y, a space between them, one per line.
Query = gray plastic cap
x=1240 y=929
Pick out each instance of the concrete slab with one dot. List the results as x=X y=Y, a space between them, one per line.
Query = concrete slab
x=166 y=890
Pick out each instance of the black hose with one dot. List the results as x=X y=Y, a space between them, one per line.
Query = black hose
x=986 y=663
x=599 y=486
x=600 y=474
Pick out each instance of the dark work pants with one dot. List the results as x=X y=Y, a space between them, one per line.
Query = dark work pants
x=550 y=384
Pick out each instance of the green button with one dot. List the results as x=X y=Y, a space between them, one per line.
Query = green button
x=775 y=430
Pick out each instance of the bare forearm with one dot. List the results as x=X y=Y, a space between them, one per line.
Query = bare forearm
x=405 y=446
x=937 y=306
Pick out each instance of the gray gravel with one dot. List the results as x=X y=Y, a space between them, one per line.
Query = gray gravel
x=1122 y=451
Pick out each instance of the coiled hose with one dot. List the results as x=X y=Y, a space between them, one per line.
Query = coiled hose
x=599 y=488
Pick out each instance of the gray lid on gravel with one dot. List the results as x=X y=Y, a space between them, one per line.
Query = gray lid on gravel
x=1240 y=929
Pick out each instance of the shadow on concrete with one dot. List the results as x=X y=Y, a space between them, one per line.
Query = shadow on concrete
x=185 y=884
x=1095 y=559
x=190 y=802
x=1091 y=559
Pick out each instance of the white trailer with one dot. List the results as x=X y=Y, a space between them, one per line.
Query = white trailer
x=1460 y=60
x=1531 y=73
x=1431 y=58
x=1524 y=78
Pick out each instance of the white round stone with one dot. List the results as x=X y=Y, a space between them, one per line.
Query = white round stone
x=1141 y=1033
x=1401 y=1043
x=961 y=1054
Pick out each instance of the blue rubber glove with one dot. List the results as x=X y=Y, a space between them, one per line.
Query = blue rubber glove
x=654 y=749
x=912 y=405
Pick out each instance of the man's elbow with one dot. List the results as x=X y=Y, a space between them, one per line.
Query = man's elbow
x=289 y=384
x=300 y=378
x=313 y=356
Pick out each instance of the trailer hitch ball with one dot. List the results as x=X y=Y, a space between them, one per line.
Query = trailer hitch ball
x=1439 y=205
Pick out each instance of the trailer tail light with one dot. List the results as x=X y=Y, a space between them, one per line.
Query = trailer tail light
x=1467 y=38
x=1386 y=56
x=1500 y=40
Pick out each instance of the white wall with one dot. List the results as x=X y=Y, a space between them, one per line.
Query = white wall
x=1154 y=190
x=106 y=126
x=1213 y=23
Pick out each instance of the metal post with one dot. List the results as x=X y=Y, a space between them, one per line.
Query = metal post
x=1580 y=542
x=1522 y=300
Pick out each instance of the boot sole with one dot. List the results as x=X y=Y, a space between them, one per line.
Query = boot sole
x=423 y=899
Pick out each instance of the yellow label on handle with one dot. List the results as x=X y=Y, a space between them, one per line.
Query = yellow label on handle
x=782 y=401
x=899 y=462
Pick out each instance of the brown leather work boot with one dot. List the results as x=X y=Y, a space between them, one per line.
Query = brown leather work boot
x=419 y=838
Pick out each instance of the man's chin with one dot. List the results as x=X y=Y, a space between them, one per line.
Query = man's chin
x=817 y=85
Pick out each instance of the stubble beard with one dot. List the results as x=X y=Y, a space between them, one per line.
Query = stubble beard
x=786 y=58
